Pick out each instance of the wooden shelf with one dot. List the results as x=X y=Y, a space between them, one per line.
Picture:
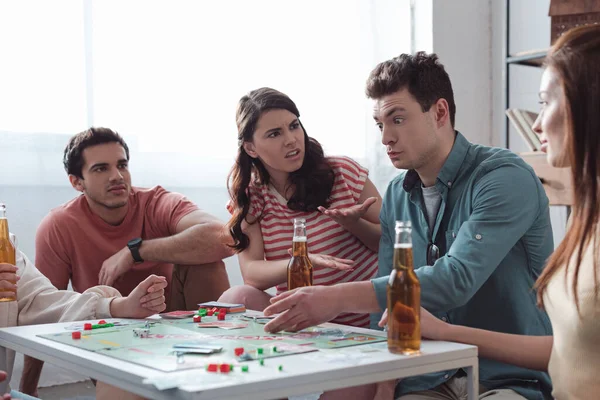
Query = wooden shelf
x=556 y=181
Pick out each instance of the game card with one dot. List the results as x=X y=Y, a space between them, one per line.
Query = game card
x=223 y=325
x=178 y=314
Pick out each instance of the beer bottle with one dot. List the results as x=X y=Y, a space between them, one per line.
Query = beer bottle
x=300 y=270
x=404 y=296
x=7 y=250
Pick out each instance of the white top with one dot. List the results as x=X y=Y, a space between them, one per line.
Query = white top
x=575 y=354
x=38 y=302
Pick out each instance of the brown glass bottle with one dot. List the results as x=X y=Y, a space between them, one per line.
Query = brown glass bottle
x=300 y=270
x=7 y=249
x=404 y=296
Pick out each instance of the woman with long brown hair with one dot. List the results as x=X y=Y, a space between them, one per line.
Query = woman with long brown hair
x=280 y=174
x=568 y=288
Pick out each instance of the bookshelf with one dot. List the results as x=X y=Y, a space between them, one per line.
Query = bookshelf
x=533 y=58
x=530 y=58
x=556 y=181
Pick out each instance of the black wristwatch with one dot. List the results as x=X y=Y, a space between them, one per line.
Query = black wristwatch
x=134 y=247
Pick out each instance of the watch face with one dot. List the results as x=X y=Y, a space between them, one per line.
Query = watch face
x=134 y=242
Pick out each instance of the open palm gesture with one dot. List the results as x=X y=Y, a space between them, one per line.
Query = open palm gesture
x=349 y=215
x=325 y=261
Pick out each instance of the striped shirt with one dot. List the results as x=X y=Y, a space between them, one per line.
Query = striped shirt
x=324 y=235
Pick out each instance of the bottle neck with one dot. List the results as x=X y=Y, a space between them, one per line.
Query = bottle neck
x=4 y=228
x=403 y=238
x=299 y=247
x=299 y=232
x=403 y=257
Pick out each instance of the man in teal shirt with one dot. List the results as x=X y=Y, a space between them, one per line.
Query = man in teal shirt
x=481 y=232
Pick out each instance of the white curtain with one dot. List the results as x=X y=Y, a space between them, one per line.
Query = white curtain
x=167 y=75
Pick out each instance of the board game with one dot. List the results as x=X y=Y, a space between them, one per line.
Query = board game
x=214 y=342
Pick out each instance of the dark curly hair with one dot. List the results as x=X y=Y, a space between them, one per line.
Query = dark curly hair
x=73 y=154
x=422 y=74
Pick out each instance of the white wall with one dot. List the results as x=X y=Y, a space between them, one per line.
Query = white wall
x=461 y=38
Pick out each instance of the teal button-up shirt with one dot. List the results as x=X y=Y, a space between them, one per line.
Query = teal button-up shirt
x=494 y=235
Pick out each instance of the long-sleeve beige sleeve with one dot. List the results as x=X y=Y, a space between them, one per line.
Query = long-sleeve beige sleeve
x=39 y=302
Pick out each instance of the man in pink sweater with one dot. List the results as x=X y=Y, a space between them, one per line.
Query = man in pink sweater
x=116 y=234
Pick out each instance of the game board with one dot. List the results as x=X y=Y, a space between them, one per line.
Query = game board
x=156 y=351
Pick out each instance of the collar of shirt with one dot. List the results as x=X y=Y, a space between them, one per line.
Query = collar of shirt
x=449 y=171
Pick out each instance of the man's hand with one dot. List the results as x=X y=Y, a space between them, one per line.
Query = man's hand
x=147 y=299
x=115 y=266
x=431 y=327
x=303 y=307
x=325 y=261
x=348 y=216
x=8 y=281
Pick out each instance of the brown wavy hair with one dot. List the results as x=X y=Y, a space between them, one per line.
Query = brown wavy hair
x=312 y=183
x=576 y=58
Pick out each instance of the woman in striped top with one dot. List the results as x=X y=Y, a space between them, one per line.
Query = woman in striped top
x=281 y=174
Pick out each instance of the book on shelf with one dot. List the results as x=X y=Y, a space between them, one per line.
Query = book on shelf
x=523 y=120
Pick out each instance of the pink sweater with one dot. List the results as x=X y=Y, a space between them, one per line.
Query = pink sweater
x=72 y=242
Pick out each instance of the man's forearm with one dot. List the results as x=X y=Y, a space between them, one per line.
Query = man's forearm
x=32 y=369
x=199 y=244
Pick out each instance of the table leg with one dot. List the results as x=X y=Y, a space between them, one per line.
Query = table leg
x=473 y=381
x=3 y=367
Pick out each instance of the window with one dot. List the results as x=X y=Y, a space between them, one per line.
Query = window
x=168 y=75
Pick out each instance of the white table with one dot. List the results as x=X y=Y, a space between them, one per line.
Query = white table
x=303 y=373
